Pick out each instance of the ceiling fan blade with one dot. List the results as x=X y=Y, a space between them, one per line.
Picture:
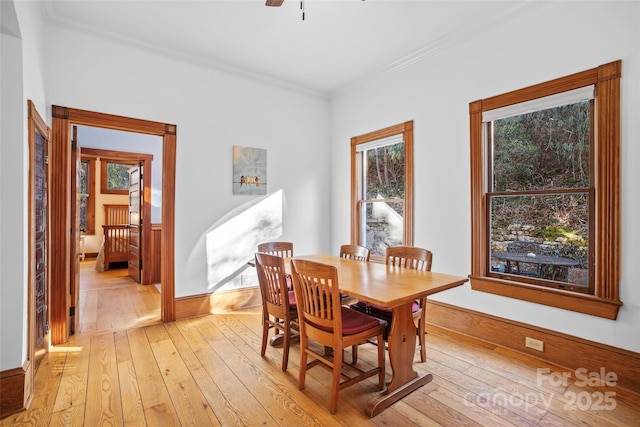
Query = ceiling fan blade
x=275 y=3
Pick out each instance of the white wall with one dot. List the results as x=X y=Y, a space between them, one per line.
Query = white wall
x=22 y=78
x=213 y=112
x=550 y=41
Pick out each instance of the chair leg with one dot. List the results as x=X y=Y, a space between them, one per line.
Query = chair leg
x=265 y=335
x=285 y=345
x=335 y=385
x=354 y=354
x=303 y=362
x=423 y=347
x=381 y=362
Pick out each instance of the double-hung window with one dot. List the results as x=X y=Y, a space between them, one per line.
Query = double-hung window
x=382 y=189
x=545 y=198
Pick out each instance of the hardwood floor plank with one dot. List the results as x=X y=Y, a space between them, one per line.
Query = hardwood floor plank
x=71 y=416
x=239 y=403
x=187 y=344
x=132 y=410
x=153 y=392
x=103 y=401
x=73 y=383
x=479 y=411
x=191 y=406
x=112 y=300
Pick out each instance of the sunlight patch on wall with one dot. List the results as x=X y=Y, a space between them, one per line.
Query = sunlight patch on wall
x=233 y=239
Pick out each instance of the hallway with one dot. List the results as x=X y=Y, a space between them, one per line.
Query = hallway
x=111 y=300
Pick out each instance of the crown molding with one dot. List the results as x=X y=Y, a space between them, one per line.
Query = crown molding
x=55 y=20
x=443 y=44
x=448 y=41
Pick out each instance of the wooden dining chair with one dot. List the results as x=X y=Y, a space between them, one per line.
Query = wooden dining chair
x=357 y=252
x=278 y=303
x=405 y=257
x=281 y=249
x=325 y=321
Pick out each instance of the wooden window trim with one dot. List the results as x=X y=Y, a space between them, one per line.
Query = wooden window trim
x=605 y=302
x=91 y=195
x=406 y=129
x=104 y=189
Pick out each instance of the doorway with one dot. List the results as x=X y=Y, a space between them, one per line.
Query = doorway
x=61 y=192
x=119 y=218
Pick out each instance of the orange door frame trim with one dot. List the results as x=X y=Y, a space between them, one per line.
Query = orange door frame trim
x=60 y=205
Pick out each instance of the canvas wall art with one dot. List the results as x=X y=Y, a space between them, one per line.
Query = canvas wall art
x=249 y=170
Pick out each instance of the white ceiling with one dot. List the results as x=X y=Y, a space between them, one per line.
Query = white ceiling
x=338 y=44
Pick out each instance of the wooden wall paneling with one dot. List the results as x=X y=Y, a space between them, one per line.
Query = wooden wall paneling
x=16 y=391
x=156 y=254
x=219 y=302
x=565 y=351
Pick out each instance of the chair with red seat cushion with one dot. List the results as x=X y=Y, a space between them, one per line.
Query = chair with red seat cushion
x=281 y=249
x=406 y=257
x=278 y=302
x=323 y=319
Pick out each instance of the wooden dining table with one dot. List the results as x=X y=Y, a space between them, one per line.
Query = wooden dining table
x=396 y=288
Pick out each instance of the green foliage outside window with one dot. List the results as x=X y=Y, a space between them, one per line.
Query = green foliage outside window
x=539 y=151
x=118 y=176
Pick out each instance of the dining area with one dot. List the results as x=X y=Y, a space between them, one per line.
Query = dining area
x=330 y=305
x=209 y=371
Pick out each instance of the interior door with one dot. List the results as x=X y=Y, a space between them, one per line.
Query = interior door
x=40 y=226
x=75 y=252
x=135 y=222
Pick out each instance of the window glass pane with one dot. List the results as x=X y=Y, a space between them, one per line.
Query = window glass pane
x=384 y=168
x=547 y=149
x=551 y=232
x=383 y=226
x=118 y=176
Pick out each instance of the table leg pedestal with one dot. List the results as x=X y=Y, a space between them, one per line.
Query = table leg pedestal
x=278 y=339
x=402 y=348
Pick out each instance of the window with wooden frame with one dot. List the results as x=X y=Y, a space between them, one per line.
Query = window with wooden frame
x=545 y=192
x=114 y=176
x=382 y=189
x=87 y=195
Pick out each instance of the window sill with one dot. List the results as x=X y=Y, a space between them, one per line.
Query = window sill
x=581 y=303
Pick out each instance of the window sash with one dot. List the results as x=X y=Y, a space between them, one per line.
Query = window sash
x=574 y=96
x=392 y=135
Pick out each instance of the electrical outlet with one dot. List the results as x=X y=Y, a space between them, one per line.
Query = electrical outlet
x=534 y=344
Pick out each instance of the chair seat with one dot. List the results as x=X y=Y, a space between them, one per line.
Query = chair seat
x=354 y=322
x=369 y=307
x=292 y=299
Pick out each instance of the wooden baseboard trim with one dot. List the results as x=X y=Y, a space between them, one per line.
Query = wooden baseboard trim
x=565 y=351
x=16 y=390
x=218 y=302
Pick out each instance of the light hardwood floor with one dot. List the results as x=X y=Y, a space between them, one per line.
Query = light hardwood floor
x=208 y=371
x=111 y=300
